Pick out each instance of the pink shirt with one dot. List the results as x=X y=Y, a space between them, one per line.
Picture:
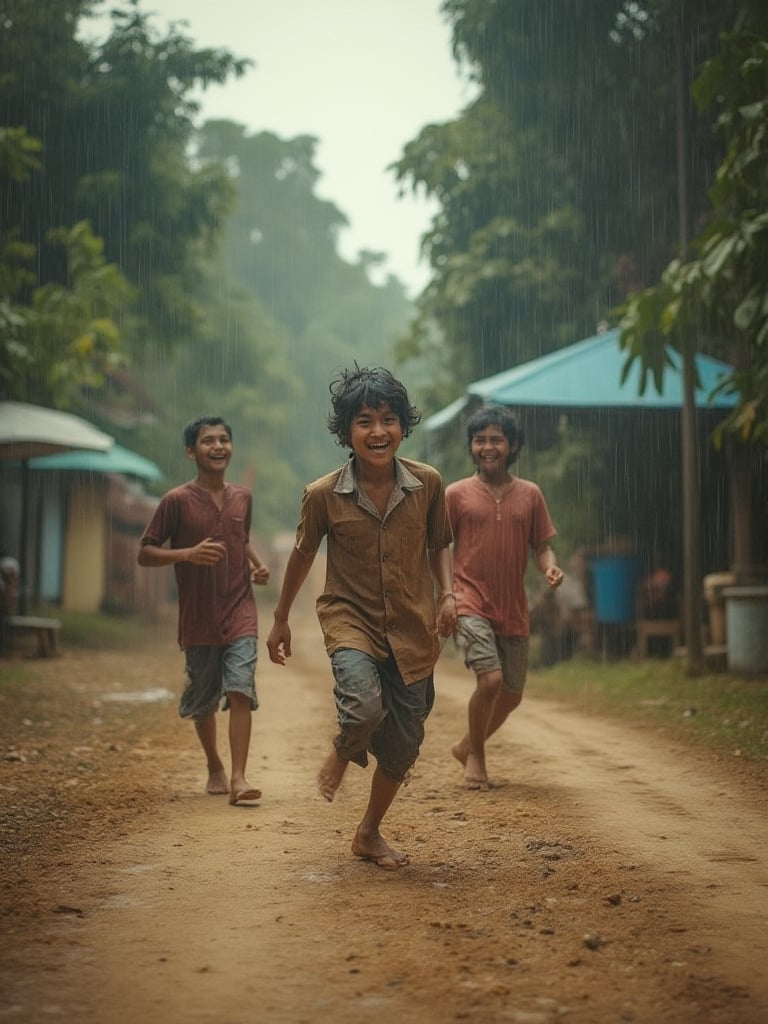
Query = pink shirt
x=492 y=542
x=216 y=603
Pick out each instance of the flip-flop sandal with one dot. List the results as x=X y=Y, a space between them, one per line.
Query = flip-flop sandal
x=244 y=796
x=387 y=861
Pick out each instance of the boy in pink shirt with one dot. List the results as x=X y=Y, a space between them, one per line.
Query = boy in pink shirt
x=497 y=520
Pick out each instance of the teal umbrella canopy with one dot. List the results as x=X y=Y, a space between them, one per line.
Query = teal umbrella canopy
x=116 y=460
x=31 y=431
x=587 y=375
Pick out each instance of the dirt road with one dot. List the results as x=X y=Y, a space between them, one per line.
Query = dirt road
x=606 y=877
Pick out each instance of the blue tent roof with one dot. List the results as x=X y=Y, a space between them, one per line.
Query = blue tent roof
x=115 y=460
x=587 y=375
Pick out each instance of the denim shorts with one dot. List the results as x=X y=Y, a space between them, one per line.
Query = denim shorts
x=378 y=713
x=215 y=671
x=486 y=652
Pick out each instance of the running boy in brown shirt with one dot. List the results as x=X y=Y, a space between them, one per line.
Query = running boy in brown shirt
x=207 y=525
x=388 y=545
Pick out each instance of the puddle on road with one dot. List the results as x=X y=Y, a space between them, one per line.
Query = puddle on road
x=140 y=696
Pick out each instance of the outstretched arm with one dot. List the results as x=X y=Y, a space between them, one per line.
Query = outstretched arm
x=279 y=639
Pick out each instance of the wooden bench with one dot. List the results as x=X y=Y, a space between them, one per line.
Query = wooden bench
x=46 y=630
x=647 y=628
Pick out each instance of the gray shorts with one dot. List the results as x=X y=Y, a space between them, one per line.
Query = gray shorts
x=485 y=652
x=215 y=671
x=378 y=713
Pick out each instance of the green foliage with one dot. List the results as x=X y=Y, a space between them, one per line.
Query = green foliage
x=202 y=272
x=67 y=336
x=498 y=251
x=115 y=120
x=556 y=186
x=280 y=246
x=720 y=297
x=234 y=364
x=73 y=333
x=18 y=154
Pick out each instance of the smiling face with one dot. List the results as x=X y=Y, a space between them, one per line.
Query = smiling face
x=375 y=436
x=212 y=450
x=490 y=451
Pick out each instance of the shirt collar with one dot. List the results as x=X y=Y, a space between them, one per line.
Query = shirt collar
x=347 y=482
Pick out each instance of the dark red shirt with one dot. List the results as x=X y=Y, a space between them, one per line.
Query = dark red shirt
x=216 y=602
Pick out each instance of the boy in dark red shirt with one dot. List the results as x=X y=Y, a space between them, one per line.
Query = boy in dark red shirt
x=206 y=524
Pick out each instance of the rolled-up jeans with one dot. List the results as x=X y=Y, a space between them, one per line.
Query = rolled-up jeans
x=378 y=713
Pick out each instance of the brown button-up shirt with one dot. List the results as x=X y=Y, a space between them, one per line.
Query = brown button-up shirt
x=379 y=591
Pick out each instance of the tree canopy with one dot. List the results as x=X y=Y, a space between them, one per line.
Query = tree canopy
x=557 y=186
x=153 y=268
x=720 y=297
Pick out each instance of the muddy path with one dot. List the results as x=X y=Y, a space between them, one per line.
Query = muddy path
x=606 y=877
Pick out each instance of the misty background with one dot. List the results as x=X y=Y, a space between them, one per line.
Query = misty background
x=200 y=213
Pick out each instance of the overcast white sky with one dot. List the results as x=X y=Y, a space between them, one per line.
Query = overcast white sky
x=363 y=76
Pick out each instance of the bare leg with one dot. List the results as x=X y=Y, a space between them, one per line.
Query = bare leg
x=217 y=777
x=330 y=775
x=369 y=842
x=489 y=708
x=239 y=742
x=503 y=706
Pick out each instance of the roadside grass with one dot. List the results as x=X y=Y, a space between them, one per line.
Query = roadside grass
x=724 y=713
x=102 y=632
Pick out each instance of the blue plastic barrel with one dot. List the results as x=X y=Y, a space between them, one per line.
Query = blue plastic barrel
x=615 y=579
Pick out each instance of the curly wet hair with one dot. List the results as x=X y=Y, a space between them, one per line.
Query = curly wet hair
x=353 y=389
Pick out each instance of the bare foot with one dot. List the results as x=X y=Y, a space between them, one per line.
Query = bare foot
x=459 y=750
x=475 y=775
x=217 y=782
x=330 y=775
x=377 y=850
